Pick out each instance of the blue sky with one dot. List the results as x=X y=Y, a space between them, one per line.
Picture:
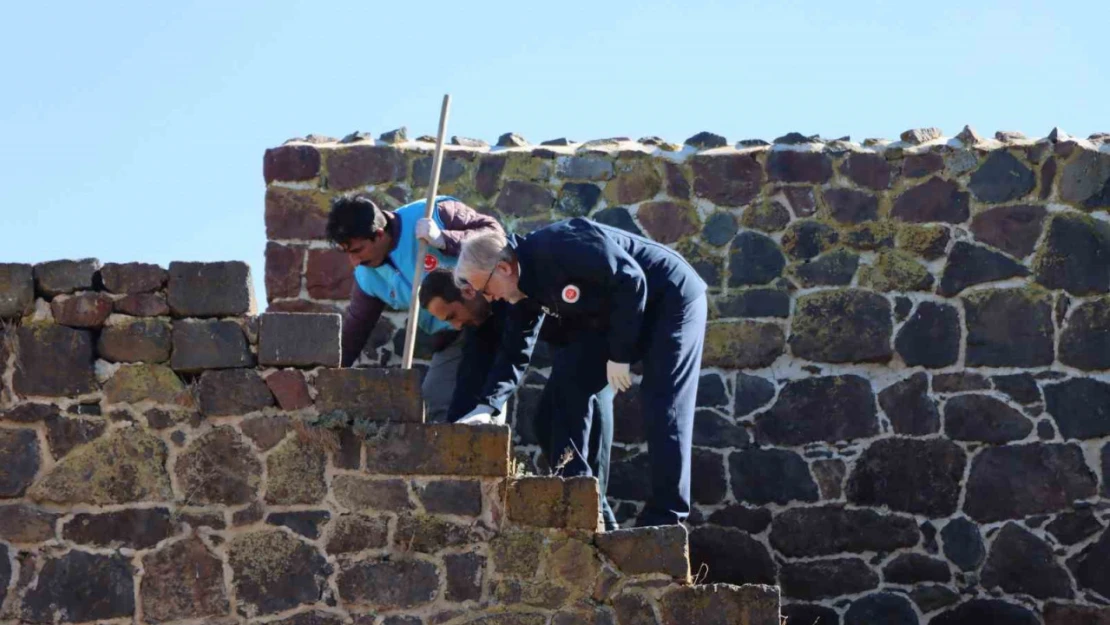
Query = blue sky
x=135 y=131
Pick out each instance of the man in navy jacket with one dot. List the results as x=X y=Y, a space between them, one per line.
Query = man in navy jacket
x=644 y=302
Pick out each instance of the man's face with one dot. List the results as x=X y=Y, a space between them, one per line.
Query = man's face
x=499 y=284
x=369 y=252
x=469 y=312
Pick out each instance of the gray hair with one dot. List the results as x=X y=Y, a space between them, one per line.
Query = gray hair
x=480 y=254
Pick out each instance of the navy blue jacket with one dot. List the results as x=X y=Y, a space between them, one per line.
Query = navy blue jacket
x=580 y=273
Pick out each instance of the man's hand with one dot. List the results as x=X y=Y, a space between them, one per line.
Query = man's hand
x=619 y=377
x=428 y=230
x=481 y=415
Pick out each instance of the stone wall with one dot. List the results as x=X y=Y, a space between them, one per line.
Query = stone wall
x=168 y=456
x=904 y=408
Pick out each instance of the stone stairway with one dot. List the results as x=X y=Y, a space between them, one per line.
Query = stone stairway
x=166 y=455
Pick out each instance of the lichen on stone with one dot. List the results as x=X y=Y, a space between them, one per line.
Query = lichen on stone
x=896 y=271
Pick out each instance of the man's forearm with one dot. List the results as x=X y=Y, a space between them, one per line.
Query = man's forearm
x=461 y=222
x=362 y=315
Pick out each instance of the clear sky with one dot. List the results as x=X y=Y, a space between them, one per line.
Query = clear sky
x=135 y=130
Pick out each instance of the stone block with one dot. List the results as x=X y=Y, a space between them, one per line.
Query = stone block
x=299 y=214
x=908 y=475
x=136 y=340
x=634 y=181
x=986 y=611
x=53 y=360
x=266 y=432
x=290 y=389
x=516 y=552
x=1009 y=328
x=352 y=533
x=808 y=238
x=524 y=199
x=908 y=406
x=1021 y=563
x=829 y=408
x=1002 y=178
x=1065 y=614
x=766 y=216
x=219 y=468
x=465 y=575
x=835 y=268
x=842 y=326
x=554 y=502
x=742 y=344
x=86 y=310
x=64 y=433
x=895 y=270
x=721 y=604
x=67 y=582
x=377 y=394
x=931 y=337
x=183 y=581
x=762 y=476
x=284 y=265
x=360 y=494
x=648 y=550
x=727 y=179
x=291 y=163
x=422 y=533
x=362 y=165
x=213 y=344
x=17 y=290
x=754 y=259
x=305 y=522
x=1012 y=229
x=439 y=449
x=794 y=166
x=328 y=274
x=729 y=556
x=848 y=206
x=233 y=392
x=1073 y=255
x=1085 y=341
x=934 y=200
x=889 y=608
x=24 y=523
x=222 y=289
x=59 y=277
x=399 y=583
x=295 y=473
x=970 y=264
x=135 y=529
x=22 y=459
x=915 y=568
x=1080 y=407
x=982 y=418
x=827 y=578
x=128 y=278
x=668 y=222
x=829 y=530
x=457 y=497
x=274 y=572
x=299 y=340
x=132 y=384
x=1016 y=481
x=127 y=465
x=142 y=305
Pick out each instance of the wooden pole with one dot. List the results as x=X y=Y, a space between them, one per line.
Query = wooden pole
x=422 y=249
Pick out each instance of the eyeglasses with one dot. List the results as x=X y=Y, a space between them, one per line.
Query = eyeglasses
x=482 y=291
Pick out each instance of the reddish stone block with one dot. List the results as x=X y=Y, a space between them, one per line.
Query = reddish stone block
x=290 y=389
x=295 y=213
x=554 y=502
x=299 y=340
x=667 y=222
x=141 y=340
x=65 y=276
x=376 y=394
x=792 y=166
x=266 y=432
x=130 y=278
x=233 y=392
x=329 y=275
x=361 y=165
x=222 y=289
x=291 y=162
x=87 y=310
x=143 y=305
x=647 y=550
x=283 y=271
x=439 y=449
x=727 y=180
x=54 y=361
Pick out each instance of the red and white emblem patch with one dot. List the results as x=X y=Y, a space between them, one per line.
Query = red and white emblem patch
x=430 y=262
x=571 y=294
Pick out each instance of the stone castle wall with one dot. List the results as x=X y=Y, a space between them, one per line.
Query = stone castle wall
x=907 y=370
x=168 y=456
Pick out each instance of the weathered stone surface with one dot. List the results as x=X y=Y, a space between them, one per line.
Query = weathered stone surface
x=199 y=345
x=554 y=502
x=646 y=550
x=909 y=475
x=351 y=533
x=126 y=466
x=377 y=394
x=921 y=165
x=908 y=406
x=618 y=217
x=20 y=451
x=83 y=587
x=917 y=136
x=742 y=344
x=848 y=206
x=712 y=484
x=895 y=270
x=727 y=179
x=1021 y=563
x=1074 y=254
x=137 y=529
x=59 y=277
x=810 y=614
x=1002 y=178
x=389 y=585
x=53 y=360
x=22 y=523
x=65 y=434
x=1084 y=180
x=718 y=604
x=289 y=389
x=465 y=574
x=274 y=572
x=296 y=213
x=713 y=430
x=963 y=544
x=127 y=278
x=932 y=597
x=749 y=520
x=1013 y=482
x=867 y=170
x=926 y=240
x=830 y=408
x=142 y=305
x=296 y=474
x=361 y=165
x=139 y=340
x=834 y=268
x=755 y=303
x=132 y=384
x=802 y=200
x=1080 y=407
x=440 y=449
x=754 y=259
x=763 y=476
x=830 y=477
x=871 y=235
x=984 y=419
x=934 y=200
x=668 y=222
x=233 y=392
x=577 y=199
x=306 y=523
x=751 y=392
x=818 y=579
x=539 y=594
x=1085 y=341
x=826 y=530
x=633 y=609
x=358 y=493
x=766 y=216
x=584 y=168
x=17 y=290
x=1073 y=527
x=792 y=166
x=1106 y=468
x=980 y=611
x=731 y=555
x=488 y=177
x=706 y=140
x=451 y=169
x=327 y=276
x=1091 y=564
x=219 y=468
x=84 y=310
x=842 y=326
x=422 y=533
x=1012 y=229
x=970 y=264
x=1009 y=328
x=808 y=238
x=678 y=185
x=283 y=271
x=459 y=497
x=1063 y=614
x=291 y=162
x=633 y=182
x=959 y=382
x=302 y=340
x=884 y=607
x=30 y=413
x=913 y=568
x=210 y=289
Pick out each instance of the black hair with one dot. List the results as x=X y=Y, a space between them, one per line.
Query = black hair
x=439 y=283
x=353 y=216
